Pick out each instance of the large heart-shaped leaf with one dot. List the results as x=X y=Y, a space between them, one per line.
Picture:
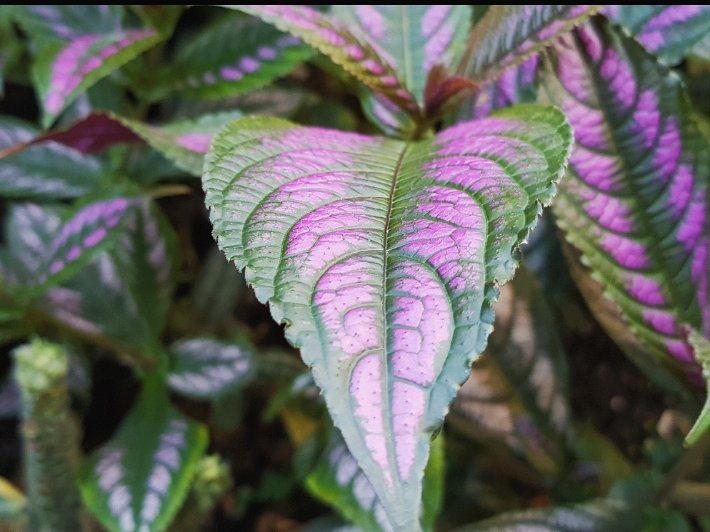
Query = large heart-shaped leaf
x=669 y=31
x=236 y=55
x=138 y=479
x=382 y=257
x=635 y=201
x=507 y=35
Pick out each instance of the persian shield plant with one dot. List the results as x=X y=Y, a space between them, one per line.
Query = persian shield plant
x=378 y=174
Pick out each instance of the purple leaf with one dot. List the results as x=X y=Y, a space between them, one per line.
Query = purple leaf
x=635 y=201
x=508 y=35
x=382 y=257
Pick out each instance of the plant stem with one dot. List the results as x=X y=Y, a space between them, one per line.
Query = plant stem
x=691 y=460
x=51 y=448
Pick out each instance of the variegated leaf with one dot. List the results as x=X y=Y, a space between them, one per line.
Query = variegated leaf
x=412 y=39
x=515 y=85
x=517 y=392
x=236 y=55
x=635 y=201
x=669 y=31
x=139 y=478
x=338 y=480
x=701 y=351
x=185 y=142
x=78 y=46
x=591 y=516
x=124 y=293
x=383 y=256
x=337 y=41
x=43 y=171
x=508 y=35
x=205 y=368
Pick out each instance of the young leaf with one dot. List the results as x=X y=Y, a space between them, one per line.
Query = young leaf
x=635 y=201
x=236 y=55
x=412 y=39
x=383 y=257
x=669 y=31
x=335 y=40
x=138 y=479
x=508 y=35
x=517 y=391
x=701 y=352
x=205 y=368
x=339 y=481
x=43 y=171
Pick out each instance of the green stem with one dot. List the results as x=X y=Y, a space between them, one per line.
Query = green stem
x=51 y=448
x=691 y=460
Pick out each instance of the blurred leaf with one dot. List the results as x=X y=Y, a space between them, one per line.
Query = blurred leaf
x=235 y=55
x=508 y=35
x=13 y=506
x=123 y=293
x=339 y=481
x=205 y=368
x=43 y=171
x=701 y=352
x=139 y=478
x=184 y=142
x=217 y=288
x=635 y=200
x=592 y=516
x=517 y=391
x=515 y=85
x=669 y=31
x=78 y=46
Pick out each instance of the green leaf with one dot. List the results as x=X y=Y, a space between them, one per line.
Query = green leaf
x=339 y=481
x=517 y=392
x=334 y=39
x=184 y=142
x=382 y=257
x=43 y=171
x=602 y=514
x=66 y=22
x=235 y=55
x=412 y=39
x=635 y=200
x=507 y=35
x=669 y=31
x=205 y=368
x=701 y=352
x=140 y=477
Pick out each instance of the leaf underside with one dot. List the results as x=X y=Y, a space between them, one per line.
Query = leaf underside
x=635 y=201
x=382 y=257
